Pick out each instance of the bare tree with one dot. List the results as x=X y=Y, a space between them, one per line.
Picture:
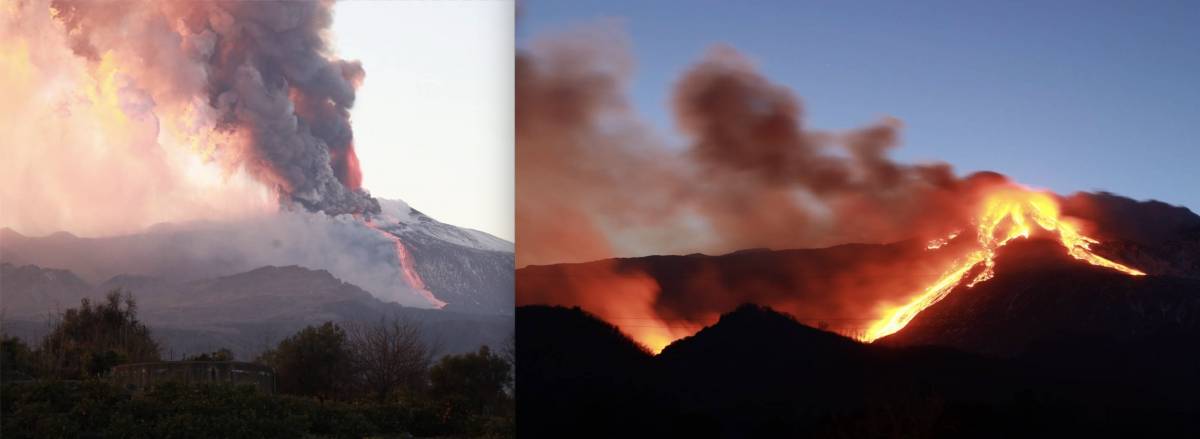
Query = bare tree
x=509 y=354
x=390 y=356
x=510 y=349
x=267 y=340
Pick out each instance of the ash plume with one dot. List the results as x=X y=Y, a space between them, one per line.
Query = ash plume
x=595 y=182
x=261 y=73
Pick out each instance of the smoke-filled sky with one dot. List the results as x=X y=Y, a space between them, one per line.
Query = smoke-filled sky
x=1068 y=96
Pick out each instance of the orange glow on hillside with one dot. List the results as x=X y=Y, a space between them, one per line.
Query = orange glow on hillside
x=1005 y=214
x=623 y=297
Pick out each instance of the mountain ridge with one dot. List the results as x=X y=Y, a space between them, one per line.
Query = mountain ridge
x=470 y=270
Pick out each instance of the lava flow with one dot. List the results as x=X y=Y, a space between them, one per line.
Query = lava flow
x=1006 y=214
x=404 y=259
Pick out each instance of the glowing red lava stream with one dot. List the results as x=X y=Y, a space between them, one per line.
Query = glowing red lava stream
x=1006 y=214
x=404 y=259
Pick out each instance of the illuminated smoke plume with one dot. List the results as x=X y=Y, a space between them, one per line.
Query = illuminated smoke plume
x=593 y=181
x=166 y=92
x=574 y=171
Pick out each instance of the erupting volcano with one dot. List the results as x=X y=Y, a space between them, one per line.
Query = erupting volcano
x=1005 y=214
x=595 y=184
x=191 y=116
x=741 y=262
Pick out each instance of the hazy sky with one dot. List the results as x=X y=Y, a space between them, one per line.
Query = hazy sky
x=433 y=122
x=1064 y=95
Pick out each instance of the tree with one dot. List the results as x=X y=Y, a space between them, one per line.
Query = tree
x=390 y=356
x=222 y=354
x=316 y=361
x=90 y=340
x=16 y=360
x=510 y=355
x=476 y=380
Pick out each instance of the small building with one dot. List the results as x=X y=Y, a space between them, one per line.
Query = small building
x=137 y=377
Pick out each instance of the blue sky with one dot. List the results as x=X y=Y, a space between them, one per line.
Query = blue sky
x=1063 y=95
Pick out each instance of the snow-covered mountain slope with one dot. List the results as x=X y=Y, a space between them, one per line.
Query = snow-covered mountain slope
x=406 y=219
x=468 y=270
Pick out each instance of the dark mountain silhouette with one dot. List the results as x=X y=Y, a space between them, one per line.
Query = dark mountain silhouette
x=1115 y=217
x=1039 y=293
x=759 y=373
x=1154 y=236
x=772 y=365
x=583 y=374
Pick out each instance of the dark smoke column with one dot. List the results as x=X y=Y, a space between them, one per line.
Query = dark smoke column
x=269 y=75
x=273 y=77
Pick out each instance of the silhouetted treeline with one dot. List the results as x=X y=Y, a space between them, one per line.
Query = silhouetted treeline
x=389 y=361
x=333 y=381
x=759 y=373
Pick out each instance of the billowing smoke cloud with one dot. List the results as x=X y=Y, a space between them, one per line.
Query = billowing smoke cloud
x=96 y=148
x=593 y=181
x=574 y=172
x=186 y=96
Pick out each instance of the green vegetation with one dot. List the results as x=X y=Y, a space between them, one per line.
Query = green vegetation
x=68 y=409
x=476 y=383
x=314 y=362
x=88 y=341
x=16 y=360
x=376 y=380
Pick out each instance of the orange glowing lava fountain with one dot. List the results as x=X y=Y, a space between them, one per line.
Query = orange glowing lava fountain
x=1005 y=214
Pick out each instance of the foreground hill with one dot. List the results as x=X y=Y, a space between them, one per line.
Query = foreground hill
x=759 y=373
